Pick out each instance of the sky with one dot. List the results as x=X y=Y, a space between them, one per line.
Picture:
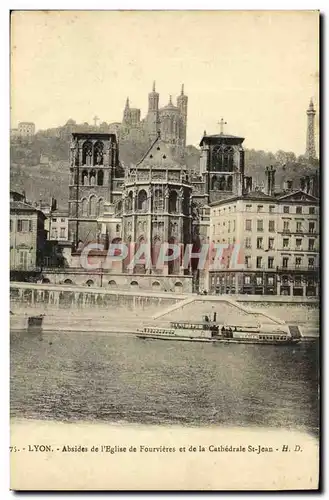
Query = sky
x=256 y=69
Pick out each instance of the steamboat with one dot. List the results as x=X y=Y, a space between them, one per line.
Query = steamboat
x=209 y=330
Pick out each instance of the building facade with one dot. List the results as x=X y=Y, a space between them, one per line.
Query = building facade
x=278 y=239
x=27 y=235
x=59 y=226
x=26 y=129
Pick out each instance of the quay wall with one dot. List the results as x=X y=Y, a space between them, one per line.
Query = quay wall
x=48 y=297
x=71 y=304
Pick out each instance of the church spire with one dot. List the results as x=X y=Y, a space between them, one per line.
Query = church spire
x=182 y=91
x=153 y=88
x=170 y=99
x=127 y=103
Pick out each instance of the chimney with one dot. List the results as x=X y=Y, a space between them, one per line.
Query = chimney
x=312 y=179
x=268 y=181
x=316 y=184
x=248 y=184
x=271 y=181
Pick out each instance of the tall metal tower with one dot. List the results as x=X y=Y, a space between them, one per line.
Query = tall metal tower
x=310 y=140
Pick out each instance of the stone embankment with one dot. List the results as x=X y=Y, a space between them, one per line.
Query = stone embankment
x=95 y=309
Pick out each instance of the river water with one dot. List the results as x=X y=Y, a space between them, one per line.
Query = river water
x=120 y=378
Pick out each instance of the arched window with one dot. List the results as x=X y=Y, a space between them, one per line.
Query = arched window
x=87 y=153
x=156 y=248
x=90 y=283
x=112 y=284
x=84 y=207
x=158 y=200
x=173 y=202
x=134 y=284
x=98 y=153
x=100 y=178
x=229 y=185
x=100 y=208
x=119 y=208
x=222 y=158
x=178 y=287
x=92 y=177
x=142 y=200
x=68 y=282
x=156 y=285
x=213 y=182
x=129 y=201
x=85 y=178
x=117 y=228
x=93 y=206
x=222 y=184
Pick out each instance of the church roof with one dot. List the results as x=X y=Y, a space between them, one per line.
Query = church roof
x=159 y=154
x=169 y=106
x=223 y=137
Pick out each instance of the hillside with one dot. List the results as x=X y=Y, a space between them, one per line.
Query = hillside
x=40 y=167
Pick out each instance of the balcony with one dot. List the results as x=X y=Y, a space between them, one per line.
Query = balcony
x=296 y=268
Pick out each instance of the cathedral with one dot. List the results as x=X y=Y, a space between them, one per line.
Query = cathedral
x=170 y=121
x=153 y=202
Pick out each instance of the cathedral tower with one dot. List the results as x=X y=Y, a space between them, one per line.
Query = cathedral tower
x=310 y=141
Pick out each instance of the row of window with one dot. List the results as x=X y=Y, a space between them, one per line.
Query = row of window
x=54 y=233
x=258 y=280
x=57 y=219
x=285 y=244
x=271 y=209
x=23 y=225
x=298 y=244
x=270 y=262
x=300 y=226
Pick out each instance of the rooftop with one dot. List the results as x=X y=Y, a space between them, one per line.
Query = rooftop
x=223 y=137
x=24 y=207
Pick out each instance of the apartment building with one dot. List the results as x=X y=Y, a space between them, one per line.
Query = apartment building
x=278 y=237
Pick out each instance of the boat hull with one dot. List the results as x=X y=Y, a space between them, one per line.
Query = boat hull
x=290 y=341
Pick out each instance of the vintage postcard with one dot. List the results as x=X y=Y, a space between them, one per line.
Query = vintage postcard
x=164 y=250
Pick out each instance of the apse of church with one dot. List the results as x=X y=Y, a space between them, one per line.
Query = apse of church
x=94 y=167
x=157 y=209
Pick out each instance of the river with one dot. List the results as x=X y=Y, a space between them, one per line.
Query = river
x=120 y=378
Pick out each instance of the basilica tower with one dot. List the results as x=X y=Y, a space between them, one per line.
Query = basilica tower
x=152 y=117
x=182 y=106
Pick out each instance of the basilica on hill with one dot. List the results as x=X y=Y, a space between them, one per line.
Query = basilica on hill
x=170 y=120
